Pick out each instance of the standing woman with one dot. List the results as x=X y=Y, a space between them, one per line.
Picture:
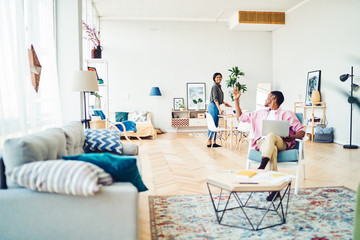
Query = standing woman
x=216 y=99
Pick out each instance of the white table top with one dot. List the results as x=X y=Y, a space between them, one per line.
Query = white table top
x=263 y=181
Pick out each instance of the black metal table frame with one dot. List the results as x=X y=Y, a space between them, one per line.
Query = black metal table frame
x=272 y=207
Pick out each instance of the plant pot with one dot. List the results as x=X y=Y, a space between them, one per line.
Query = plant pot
x=181 y=109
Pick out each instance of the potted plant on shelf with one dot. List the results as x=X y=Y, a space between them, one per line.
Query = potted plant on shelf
x=181 y=107
x=197 y=102
x=97 y=96
x=94 y=37
x=234 y=80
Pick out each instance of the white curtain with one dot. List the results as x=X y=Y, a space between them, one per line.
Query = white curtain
x=22 y=110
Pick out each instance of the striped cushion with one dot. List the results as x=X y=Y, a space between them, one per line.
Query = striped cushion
x=102 y=140
x=59 y=176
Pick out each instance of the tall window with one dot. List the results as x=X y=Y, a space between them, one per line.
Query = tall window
x=23 y=110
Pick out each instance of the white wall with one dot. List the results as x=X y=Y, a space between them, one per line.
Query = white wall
x=170 y=54
x=69 y=45
x=321 y=35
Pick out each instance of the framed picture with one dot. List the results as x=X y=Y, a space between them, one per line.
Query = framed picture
x=94 y=70
x=177 y=103
x=312 y=83
x=196 y=91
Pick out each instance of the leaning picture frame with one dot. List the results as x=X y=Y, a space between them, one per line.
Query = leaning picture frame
x=177 y=103
x=196 y=91
x=312 y=83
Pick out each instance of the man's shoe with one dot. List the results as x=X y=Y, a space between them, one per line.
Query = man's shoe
x=216 y=145
x=273 y=195
x=209 y=145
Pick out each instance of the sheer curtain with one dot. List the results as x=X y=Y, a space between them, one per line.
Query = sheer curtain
x=22 y=110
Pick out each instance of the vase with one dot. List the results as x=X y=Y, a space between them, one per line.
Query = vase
x=97 y=104
x=315 y=97
x=96 y=52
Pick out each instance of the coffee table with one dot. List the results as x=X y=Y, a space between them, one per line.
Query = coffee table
x=230 y=200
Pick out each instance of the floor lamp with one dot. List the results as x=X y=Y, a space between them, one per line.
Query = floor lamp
x=155 y=91
x=85 y=81
x=343 y=78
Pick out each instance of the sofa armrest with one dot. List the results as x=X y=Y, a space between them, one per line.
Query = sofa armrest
x=112 y=213
x=130 y=149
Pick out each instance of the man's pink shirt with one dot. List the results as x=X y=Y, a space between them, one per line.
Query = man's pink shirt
x=255 y=119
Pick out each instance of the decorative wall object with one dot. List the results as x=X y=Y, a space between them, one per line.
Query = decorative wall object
x=312 y=83
x=35 y=68
x=196 y=91
x=177 y=103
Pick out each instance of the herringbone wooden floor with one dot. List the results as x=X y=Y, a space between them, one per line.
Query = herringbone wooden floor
x=177 y=163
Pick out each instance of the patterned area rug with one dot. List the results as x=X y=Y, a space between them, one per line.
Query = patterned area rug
x=315 y=213
x=203 y=134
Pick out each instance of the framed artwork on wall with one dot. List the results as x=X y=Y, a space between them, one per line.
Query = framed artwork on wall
x=100 y=81
x=312 y=83
x=196 y=91
x=177 y=103
x=93 y=70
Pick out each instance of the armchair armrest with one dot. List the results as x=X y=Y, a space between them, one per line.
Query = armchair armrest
x=304 y=139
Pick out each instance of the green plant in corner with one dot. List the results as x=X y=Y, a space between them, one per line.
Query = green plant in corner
x=234 y=80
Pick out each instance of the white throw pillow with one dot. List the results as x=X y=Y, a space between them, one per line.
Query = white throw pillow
x=60 y=176
x=139 y=116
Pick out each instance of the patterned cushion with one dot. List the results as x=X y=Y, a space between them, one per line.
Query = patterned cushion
x=102 y=140
x=139 y=116
x=59 y=176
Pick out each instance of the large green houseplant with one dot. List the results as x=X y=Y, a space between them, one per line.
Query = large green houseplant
x=234 y=80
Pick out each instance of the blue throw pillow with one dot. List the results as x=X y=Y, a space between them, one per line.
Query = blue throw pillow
x=122 y=168
x=102 y=140
x=121 y=116
x=99 y=113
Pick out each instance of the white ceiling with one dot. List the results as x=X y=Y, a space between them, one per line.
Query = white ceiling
x=187 y=10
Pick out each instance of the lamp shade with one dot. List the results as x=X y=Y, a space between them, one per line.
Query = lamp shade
x=155 y=91
x=344 y=77
x=85 y=81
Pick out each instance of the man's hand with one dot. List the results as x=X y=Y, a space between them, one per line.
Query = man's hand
x=236 y=93
x=288 y=138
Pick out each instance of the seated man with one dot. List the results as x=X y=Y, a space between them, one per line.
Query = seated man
x=271 y=144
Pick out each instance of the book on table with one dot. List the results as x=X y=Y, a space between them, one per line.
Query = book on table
x=246 y=174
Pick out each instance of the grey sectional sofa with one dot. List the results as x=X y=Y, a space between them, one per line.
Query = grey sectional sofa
x=112 y=213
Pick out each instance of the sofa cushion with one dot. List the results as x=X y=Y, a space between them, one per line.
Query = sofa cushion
x=45 y=145
x=121 y=116
x=58 y=176
x=102 y=140
x=75 y=138
x=121 y=168
x=139 y=116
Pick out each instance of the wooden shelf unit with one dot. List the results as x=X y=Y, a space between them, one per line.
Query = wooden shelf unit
x=188 y=118
x=319 y=105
